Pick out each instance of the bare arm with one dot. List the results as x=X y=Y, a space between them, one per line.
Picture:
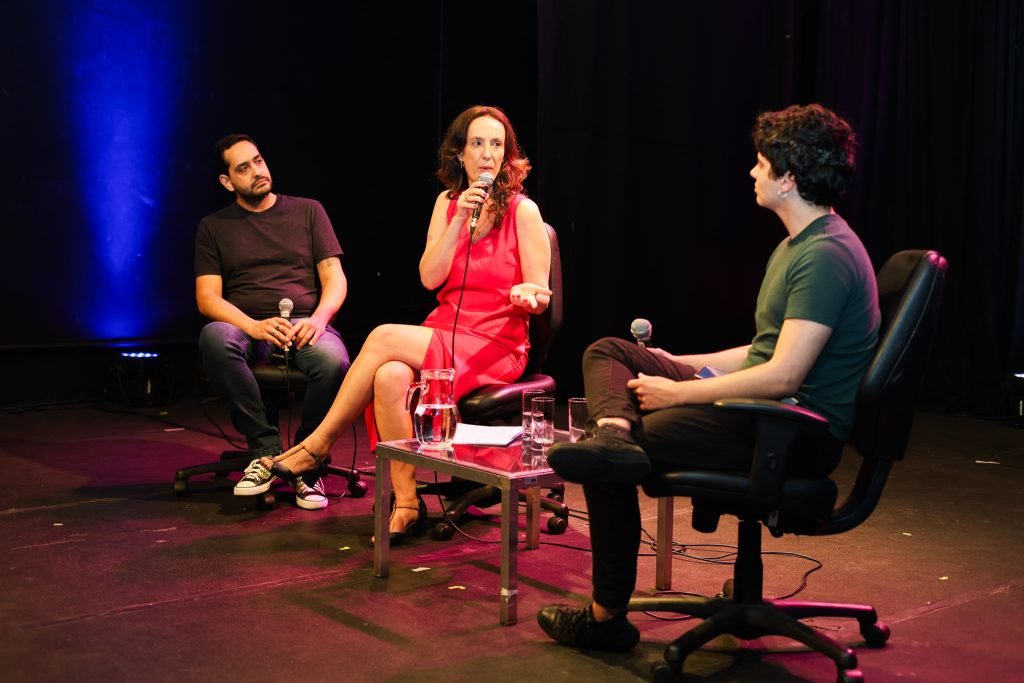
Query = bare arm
x=728 y=360
x=212 y=304
x=799 y=345
x=334 y=289
x=443 y=235
x=534 y=258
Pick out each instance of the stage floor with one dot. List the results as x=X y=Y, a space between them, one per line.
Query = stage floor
x=108 y=576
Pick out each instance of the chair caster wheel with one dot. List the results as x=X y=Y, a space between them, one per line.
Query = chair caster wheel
x=876 y=634
x=180 y=488
x=557 y=525
x=727 y=588
x=663 y=673
x=357 y=488
x=266 y=501
x=850 y=676
x=557 y=497
x=442 y=532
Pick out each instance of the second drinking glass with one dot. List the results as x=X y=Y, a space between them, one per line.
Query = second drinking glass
x=543 y=430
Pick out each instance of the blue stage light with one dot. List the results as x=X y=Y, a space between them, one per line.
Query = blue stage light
x=126 y=75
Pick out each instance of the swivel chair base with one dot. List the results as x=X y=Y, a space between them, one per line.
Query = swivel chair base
x=748 y=616
x=468 y=497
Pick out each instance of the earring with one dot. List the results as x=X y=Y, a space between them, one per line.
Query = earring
x=783 y=195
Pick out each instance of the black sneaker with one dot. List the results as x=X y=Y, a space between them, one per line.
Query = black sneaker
x=577 y=627
x=257 y=480
x=609 y=455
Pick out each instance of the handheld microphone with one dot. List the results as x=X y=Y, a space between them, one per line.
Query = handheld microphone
x=284 y=308
x=641 y=331
x=488 y=180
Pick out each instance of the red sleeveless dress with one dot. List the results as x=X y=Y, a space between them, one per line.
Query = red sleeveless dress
x=491 y=334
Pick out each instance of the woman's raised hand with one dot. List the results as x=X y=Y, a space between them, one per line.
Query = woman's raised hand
x=471 y=197
x=530 y=296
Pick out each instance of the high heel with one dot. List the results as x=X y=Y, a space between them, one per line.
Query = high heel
x=417 y=527
x=319 y=465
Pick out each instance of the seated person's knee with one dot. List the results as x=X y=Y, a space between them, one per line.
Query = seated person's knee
x=392 y=379
x=217 y=337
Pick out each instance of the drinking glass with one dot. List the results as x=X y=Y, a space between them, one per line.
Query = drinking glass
x=577 y=418
x=543 y=430
x=528 y=397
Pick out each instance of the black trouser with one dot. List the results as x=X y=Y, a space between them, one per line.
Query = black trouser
x=698 y=436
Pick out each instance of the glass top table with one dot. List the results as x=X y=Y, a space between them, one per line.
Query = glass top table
x=500 y=466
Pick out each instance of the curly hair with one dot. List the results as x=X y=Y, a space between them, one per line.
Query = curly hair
x=514 y=168
x=814 y=144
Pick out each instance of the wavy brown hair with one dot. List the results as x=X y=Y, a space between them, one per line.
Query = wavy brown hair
x=514 y=166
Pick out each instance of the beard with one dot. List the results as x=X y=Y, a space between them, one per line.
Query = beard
x=252 y=196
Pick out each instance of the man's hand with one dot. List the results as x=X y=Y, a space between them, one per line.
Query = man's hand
x=277 y=331
x=306 y=332
x=530 y=296
x=655 y=393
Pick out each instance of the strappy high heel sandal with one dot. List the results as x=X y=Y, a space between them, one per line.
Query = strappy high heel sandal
x=319 y=465
x=417 y=527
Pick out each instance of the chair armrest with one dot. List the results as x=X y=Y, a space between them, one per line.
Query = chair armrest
x=777 y=425
x=774 y=409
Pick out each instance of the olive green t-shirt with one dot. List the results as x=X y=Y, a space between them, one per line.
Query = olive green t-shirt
x=824 y=275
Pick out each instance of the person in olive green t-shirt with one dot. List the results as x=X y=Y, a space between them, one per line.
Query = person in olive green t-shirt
x=821 y=275
x=816 y=327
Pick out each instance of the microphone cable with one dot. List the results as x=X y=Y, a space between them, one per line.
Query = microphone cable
x=465 y=271
x=462 y=292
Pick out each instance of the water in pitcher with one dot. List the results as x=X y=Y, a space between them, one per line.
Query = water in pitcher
x=434 y=424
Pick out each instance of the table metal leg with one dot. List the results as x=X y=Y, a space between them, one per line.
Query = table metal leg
x=509 y=555
x=381 y=517
x=533 y=517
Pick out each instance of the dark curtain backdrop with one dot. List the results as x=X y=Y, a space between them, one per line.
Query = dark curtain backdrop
x=646 y=110
x=636 y=116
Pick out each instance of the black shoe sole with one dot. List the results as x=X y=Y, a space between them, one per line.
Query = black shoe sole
x=581 y=464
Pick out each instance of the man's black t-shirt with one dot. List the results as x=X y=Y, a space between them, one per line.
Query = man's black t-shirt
x=268 y=256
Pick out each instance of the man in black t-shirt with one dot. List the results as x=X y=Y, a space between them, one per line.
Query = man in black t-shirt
x=260 y=249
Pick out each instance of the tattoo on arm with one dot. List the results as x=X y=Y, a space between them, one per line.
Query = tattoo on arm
x=328 y=265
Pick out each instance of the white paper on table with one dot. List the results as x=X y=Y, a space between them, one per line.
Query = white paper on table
x=481 y=435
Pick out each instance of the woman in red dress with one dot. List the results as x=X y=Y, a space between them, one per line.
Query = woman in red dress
x=506 y=280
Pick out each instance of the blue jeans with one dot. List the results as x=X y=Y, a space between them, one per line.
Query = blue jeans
x=226 y=351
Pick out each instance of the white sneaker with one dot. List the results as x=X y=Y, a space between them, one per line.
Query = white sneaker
x=310 y=497
x=256 y=480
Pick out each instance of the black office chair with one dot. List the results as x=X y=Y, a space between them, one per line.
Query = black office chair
x=910 y=289
x=280 y=384
x=494 y=404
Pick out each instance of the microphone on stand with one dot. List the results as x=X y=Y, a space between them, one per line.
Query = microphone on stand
x=488 y=180
x=641 y=331
x=284 y=309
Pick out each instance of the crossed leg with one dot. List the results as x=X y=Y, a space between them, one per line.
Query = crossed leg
x=388 y=345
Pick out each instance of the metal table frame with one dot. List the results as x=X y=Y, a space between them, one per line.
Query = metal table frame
x=510 y=483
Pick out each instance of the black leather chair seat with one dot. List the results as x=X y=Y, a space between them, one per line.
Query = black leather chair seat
x=804 y=506
x=495 y=402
